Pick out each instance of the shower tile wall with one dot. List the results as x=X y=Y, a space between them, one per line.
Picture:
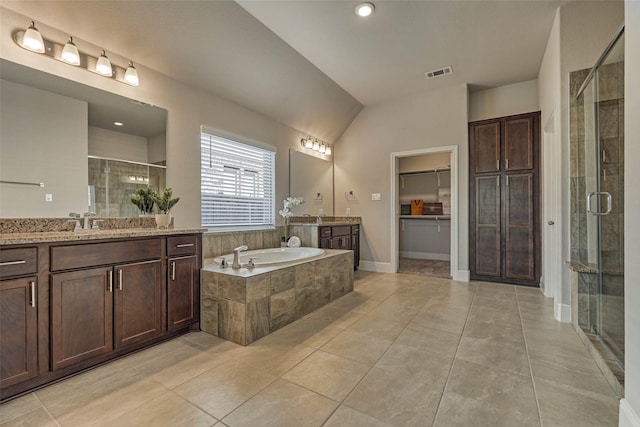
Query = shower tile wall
x=611 y=142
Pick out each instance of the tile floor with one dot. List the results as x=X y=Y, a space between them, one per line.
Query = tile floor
x=425 y=267
x=401 y=350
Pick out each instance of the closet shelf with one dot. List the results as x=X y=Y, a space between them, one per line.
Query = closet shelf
x=432 y=217
x=444 y=169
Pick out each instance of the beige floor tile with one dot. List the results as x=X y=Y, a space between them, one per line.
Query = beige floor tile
x=494 y=388
x=222 y=389
x=377 y=327
x=459 y=411
x=283 y=404
x=584 y=374
x=273 y=359
x=563 y=406
x=498 y=292
x=445 y=320
x=505 y=334
x=398 y=400
x=36 y=418
x=536 y=311
x=432 y=340
x=18 y=407
x=539 y=299
x=207 y=342
x=105 y=400
x=347 y=417
x=330 y=375
x=180 y=366
x=496 y=304
x=168 y=410
x=337 y=317
x=511 y=358
x=358 y=347
x=486 y=314
x=403 y=360
x=313 y=332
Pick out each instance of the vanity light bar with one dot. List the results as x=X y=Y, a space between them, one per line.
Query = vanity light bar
x=316 y=145
x=60 y=52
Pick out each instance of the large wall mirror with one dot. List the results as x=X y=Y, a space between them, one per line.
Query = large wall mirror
x=311 y=178
x=66 y=147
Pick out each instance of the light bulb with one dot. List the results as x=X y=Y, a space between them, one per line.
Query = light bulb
x=103 y=66
x=308 y=143
x=32 y=39
x=70 y=53
x=316 y=145
x=328 y=150
x=323 y=148
x=365 y=9
x=131 y=75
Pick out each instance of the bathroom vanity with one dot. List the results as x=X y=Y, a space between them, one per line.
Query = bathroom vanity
x=70 y=301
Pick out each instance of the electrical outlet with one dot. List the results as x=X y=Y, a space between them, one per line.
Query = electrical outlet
x=376 y=196
x=48 y=197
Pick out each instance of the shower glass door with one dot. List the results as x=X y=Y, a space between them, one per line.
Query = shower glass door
x=602 y=101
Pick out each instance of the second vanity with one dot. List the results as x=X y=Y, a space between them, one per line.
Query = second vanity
x=70 y=301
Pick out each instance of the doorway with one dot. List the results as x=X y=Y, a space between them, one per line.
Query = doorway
x=427 y=241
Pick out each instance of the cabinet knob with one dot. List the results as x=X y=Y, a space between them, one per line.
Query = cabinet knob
x=551 y=223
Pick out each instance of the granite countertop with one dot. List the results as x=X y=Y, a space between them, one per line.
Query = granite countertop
x=68 y=236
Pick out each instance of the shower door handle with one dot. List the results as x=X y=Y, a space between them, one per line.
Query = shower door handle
x=599 y=193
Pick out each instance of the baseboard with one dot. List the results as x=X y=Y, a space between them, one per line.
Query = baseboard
x=628 y=416
x=425 y=255
x=562 y=313
x=462 y=276
x=376 y=267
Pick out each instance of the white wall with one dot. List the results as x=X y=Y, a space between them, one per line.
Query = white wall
x=187 y=108
x=517 y=98
x=117 y=145
x=630 y=405
x=363 y=163
x=34 y=150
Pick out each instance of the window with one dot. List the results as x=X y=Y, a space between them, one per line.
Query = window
x=237 y=184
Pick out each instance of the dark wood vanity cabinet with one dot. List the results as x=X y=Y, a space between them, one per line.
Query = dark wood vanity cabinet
x=101 y=300
x=182 y=281
x=18 y=315
x=504 y=199
x=341 y=237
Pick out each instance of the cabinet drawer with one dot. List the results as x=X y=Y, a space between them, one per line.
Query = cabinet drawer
x=93 y=254
x=18 y=261
x=325 y=232
x=341 y=230
x=182 y=245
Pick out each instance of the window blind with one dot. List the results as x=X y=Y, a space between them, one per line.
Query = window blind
x=237 y=184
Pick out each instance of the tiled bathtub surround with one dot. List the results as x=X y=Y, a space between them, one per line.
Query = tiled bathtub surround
x=220 y=243
x=245 y=305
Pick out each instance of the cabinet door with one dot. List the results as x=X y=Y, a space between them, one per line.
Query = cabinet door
x=182 y=294
x=485 y=144
x=519 y=226
x=341 y=242
x=137 y=302
x=18 y=331
x=81 y=315
x=355 y=245
x=518 y=144
x=487 y=226
x=325 y=243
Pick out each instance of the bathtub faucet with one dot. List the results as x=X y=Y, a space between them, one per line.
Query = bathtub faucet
x=236 y=256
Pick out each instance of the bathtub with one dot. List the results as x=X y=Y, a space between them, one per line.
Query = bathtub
x=275 y=256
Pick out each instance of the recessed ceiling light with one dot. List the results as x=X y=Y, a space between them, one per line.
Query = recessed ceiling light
x=365 y=9
x=118 y=123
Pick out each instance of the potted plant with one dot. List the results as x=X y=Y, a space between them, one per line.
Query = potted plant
x=143 y=198
x=164 y=203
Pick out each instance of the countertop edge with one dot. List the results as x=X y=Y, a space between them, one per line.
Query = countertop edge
x=7 y=239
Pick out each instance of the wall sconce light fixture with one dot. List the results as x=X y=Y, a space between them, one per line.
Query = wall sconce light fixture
x=32 y=40
x=315 y=145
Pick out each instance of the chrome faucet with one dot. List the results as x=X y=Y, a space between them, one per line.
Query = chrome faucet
x=236 y=256
x=86 y=215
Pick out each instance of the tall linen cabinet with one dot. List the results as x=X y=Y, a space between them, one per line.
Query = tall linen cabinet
x=504 y=200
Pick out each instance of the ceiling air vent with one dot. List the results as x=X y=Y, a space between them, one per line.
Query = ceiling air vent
x=439 y=72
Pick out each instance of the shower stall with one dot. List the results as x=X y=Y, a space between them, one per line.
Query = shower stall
x=597 y=200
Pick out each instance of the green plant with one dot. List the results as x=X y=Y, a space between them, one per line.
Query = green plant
x=164 y=201
x=143 y=198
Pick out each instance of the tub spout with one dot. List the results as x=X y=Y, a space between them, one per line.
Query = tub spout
x=236 y=256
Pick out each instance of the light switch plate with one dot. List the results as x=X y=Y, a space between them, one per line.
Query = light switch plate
x=48 y=197
x=376 y=196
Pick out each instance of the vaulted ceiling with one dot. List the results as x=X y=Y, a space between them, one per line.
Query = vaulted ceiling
x=304 y=61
